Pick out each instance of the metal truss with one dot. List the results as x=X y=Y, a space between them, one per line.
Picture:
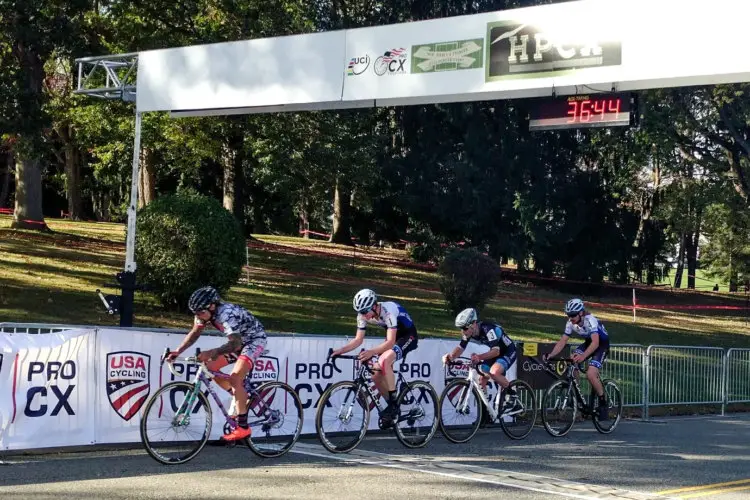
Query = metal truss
x=108 y=77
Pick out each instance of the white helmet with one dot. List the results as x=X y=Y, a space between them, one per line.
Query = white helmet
x=364 y=300
x=466 y=317
x=573 y=307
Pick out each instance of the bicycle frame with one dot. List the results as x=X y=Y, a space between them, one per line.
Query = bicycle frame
x=571 y=376
x=205 y=376
x=473 y=378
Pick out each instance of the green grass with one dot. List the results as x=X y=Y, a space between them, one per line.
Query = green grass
x=52 y=278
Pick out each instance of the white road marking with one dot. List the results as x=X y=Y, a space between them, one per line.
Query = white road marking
x=510 y=479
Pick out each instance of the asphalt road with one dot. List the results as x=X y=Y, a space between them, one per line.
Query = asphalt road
x=673 y=458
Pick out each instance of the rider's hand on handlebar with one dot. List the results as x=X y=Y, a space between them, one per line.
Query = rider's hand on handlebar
x=172 y=356
x=545 y=358
x=447 y=359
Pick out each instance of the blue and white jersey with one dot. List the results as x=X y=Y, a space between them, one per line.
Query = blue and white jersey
x=232 y=319
x=392 y=315
x=585 y=328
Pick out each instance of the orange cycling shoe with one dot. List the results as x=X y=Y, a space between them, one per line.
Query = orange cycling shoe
x=237 y=434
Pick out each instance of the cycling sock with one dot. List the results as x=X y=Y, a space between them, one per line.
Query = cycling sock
x=242 y=420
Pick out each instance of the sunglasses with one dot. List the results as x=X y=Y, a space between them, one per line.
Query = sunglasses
x=573 y=315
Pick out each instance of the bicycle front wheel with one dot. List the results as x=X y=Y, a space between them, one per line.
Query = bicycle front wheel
x=559 y=408
x=418 y=414
x=614 y=408
x=519 y=418
x=176 y=423
x=275 y=417
x=460 y=411
x=342 y=417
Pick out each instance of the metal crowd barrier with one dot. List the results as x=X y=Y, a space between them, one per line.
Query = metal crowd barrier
x=682 y=375
x=737 y=376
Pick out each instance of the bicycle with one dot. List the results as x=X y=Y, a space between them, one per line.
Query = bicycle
x=360 y=397
x=563 y=398
x=460 y=401
x=175 y=407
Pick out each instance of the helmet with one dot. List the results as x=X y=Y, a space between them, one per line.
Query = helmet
x=364 y=300
x=573 y=307
x=466 y=317
x=202 y=298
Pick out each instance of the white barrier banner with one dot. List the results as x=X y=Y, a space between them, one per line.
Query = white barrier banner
x=47 y=389
x=84 y=386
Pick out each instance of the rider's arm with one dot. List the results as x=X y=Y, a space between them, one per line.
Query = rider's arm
x=390 y=341
x=191 y=336
x=233 y=345
x=559 y=346
x=492 y=353
x=352 y=344
x=593 y=346
x=456 y=352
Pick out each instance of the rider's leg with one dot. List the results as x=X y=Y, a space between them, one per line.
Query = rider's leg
x=241 y=368
x=216 y=365
x=385 y=379
x=592 y=374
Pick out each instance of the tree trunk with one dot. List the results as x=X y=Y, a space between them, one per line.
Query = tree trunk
x=73 y=182
x=692 y=258
x=147 y=178
x=28 y=213
x=680 y=261
x=341 y=214
x=304 y=219
x=232 y=163
x=8 y=171
x=100 y=201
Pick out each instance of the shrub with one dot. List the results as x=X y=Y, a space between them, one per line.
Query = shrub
x=186 y=241
x=468 y=278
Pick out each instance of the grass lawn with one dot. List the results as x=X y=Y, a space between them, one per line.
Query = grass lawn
x=51 y=278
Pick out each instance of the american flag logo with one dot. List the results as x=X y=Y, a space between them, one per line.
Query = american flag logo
x=128 y=381
x=383 y=63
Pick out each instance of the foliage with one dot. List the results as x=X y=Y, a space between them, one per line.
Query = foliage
x=185 y=241
x=468 y=278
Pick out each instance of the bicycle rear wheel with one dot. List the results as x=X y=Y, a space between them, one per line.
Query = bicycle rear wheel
x=614 y=408
x=342 y=417
x=559 y=408
x=176 y=423
x=275 y=417
x=460 y=411
x=418 y=414
x=519 y=422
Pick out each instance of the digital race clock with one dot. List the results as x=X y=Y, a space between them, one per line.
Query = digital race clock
x=582 y=111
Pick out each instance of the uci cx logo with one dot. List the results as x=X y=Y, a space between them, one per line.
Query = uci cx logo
x=391 y=62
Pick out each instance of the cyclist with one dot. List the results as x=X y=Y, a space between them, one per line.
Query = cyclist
x=497 y=361
x=401 y=338
x=595 y=348
x=246 y=342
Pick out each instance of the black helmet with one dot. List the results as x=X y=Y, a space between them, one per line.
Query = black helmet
x=202 y=298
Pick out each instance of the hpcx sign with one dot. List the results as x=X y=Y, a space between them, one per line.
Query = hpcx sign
x=517 y=50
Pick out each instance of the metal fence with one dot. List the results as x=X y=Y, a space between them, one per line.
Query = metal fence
x=683 y=375
x=657 y=375
x=737 y=376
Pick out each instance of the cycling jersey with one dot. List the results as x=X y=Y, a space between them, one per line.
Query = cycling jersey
x=586 y=327
x=491 y=335
x=392 y=315
x=233 y=319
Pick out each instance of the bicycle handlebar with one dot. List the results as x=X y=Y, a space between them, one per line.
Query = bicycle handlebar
x=333 y=359
x=188 y=359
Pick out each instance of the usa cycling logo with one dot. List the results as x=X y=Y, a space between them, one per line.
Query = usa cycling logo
x=265 y=369
x=391 y=62
x=128 y=381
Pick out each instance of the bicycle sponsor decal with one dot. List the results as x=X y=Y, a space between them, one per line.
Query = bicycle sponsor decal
x=447 y=56
x=128 y=381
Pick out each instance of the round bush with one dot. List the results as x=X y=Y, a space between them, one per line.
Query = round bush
x=468 y=278
x=186 y=241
